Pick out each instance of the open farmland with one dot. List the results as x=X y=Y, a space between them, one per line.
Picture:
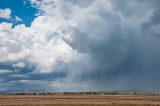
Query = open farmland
x=79 y=100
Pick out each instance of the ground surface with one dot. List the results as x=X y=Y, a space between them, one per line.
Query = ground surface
x=79 y=100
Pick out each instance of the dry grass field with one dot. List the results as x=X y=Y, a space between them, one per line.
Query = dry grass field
x=79 y=100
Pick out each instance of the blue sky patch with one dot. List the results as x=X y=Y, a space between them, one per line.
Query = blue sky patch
x=20 y=8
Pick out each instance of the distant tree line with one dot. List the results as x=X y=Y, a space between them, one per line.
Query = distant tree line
x=82 y=93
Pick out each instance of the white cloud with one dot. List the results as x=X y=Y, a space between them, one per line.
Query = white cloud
x=2 y=71
x=18 y=19
x=41 y=44
x=19 y=65
x=5 y=13
x=19 y=76
x=5 y=26
x=45 y=43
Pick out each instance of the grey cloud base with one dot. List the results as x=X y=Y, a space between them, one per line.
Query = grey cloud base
x=84 y=45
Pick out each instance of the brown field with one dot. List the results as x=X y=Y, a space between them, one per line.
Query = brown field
x=79 y=100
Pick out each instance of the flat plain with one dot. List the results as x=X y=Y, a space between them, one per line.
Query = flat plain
x=79 y=100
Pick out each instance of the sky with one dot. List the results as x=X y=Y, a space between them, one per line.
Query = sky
x=79 y=45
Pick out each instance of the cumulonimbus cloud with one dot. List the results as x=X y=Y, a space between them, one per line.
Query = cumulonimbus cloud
x=97 y=44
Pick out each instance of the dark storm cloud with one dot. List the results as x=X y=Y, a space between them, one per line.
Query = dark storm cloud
x=152 y=26
x=156 y=17
x=120 y=54
x=16 y=79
